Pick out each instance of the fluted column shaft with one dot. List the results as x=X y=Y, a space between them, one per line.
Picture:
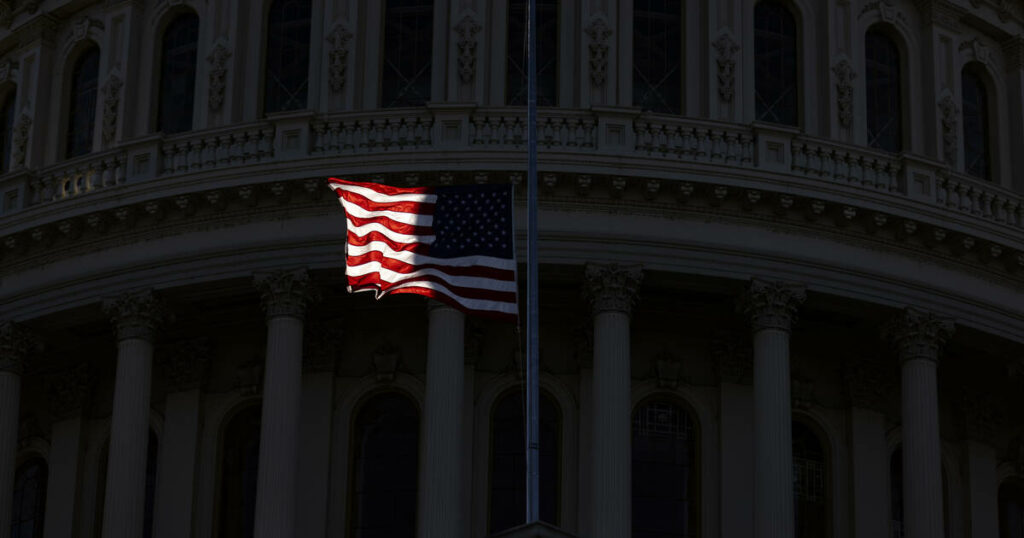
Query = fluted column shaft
x=441 y=509
x=772 y=308
x=918 y=336
x=285 y=297
x=15 y=343
x=612 y=292
x=135 y=318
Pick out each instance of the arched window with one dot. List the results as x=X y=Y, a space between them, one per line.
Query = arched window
x=896 y=495
x=385 y=467
x=178 y=74
x=286 y=74
x=547 y=53
x=82 y=110
x=977 y=151
x=240 y=456
x=775 y=63
x=29 y=499
x=6 y=131
x=810 y=483
x=666 y=478
x=408 y=52
x=508 y=461
x=884 y=100
x=657 y=55
x=1011 y=510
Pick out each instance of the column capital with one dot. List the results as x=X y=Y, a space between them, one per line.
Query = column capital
x=285 y=293
x=772 y=304
x=16 y=342
x=612 y=287
x=186 y=363
x=918 y=334
x=135 y=314
x=68 y=390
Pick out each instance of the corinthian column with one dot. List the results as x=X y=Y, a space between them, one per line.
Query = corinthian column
x=15 y=344
x=611 y=291
x=918 y=336
x=772 y=307
x=440 y=503
x=135 y=317
x=286 y=294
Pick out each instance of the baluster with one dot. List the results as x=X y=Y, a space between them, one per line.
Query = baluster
x=799 y=157
x=167 y=158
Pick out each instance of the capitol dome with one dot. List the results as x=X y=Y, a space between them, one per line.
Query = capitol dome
x=781 y=269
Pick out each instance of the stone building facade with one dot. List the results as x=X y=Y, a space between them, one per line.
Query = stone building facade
x=782 y=269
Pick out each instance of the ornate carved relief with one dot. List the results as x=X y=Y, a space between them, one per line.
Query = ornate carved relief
x=135 y=314
x=386 y=358
x=726 y=49
x=918 y=334
x=772 y=304
x=218 y=60
x=733 y=355
x=466 y=30
x=599 y=34
x=19 y=141
x=323 y=343
x=286 y=293
x=667 y=369
x=948 y=117
x=15 y=345
x=69 y=390
x=186 y=363
x=979 y=52
x=844 y=91
x=249 y=376
x=612 y=288
x=867 y=384
x=886 y=12
x=80 y=28
x=338 y=56
x=8 y=71
x=111 y=99
x=979 y=416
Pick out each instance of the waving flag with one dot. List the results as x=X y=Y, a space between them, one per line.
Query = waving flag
x=453 y=243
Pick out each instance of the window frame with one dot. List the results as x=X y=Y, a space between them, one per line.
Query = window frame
x=896 y=39
x=158 y=68
x=265 y=43
x=681 y=76
x=991 y=134
x=799 y=61
x=81 y=49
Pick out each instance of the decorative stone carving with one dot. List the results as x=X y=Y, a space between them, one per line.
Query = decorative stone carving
x=949 y=111
x=15 y=345
x=323 y=342
x=867 y=386
x=844 y=91
x=338 y=56
x=772 y=304
x=612 y=288
x=802 y=394
x=135 y=314
x=80 y=28
x=599 y=34
x=978 y=415
x=918 y=334
x=886 y=12
x=285 y=293
x=218 y=60
x=186 y=364
x=733 y=355
x=978 y=51
x=68 y=390
x=19 y=141
x=466 y=30
x=8 y=71
x=385 y=362
x=249 y=376
x=725 y=57
x=667 y=369
x=111 y=99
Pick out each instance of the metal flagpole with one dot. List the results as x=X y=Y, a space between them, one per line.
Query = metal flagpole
x=533 y=339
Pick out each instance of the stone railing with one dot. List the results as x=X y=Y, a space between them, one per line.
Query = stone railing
x=622 y=135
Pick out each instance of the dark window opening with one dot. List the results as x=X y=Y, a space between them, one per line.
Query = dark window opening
x=657 y=55
x=976 y=125
x=884 y=100
x=810 y=483
x=516 y=70
x=178 y=74
x=508 y=462
x=29 y=499
x=82 y=113
x=287 y=56
x=6 y=132
x=666 y=494
x=775 y=63
x=408 y=53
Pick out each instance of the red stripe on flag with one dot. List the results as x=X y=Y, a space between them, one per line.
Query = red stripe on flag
x=400 y=227
x=416 y=208
x=363 y=240
x=383 y=189
x=402 y=267
x=374 y=280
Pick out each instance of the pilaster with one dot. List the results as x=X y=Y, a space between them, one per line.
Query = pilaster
x=68 y=393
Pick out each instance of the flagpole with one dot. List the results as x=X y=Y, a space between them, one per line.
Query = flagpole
x=533 y=338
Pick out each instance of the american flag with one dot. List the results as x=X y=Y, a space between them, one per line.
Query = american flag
x=451 y=243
